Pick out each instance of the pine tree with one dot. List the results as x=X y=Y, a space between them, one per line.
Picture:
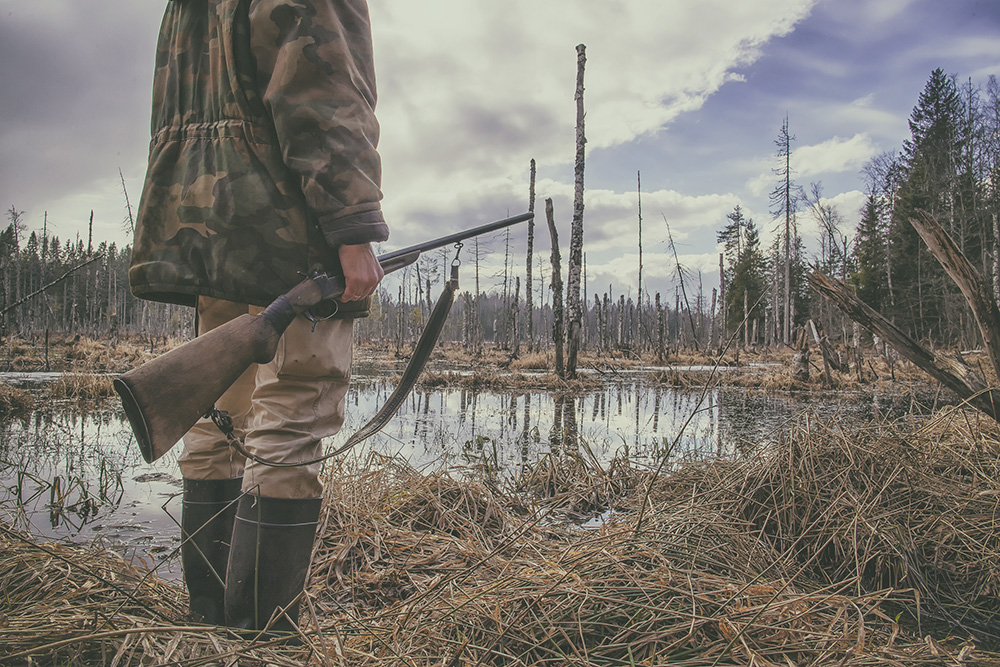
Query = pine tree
x=869 y=278
x=923 y=294
x=745 y=271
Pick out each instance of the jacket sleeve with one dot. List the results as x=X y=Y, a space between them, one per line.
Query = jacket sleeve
x=316 y=78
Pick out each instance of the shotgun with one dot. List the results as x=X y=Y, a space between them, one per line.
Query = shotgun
x=166 y=396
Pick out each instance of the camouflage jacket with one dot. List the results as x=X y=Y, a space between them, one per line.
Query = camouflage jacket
x=263 y=158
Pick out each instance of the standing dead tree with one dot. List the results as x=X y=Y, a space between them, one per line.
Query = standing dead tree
x=978 y=291
x=557 y=286
x=575 y=262
x=529 y=304
x=638 y=189
x=680 y=278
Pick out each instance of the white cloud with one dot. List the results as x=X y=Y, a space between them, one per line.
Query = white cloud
x=471 y=92
x=865 y=101
x=833 y=156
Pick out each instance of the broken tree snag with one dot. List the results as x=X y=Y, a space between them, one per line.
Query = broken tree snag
x=975 y=287
x=800 y=362
x=830 y=357
x=950 y=372
x=821 y=342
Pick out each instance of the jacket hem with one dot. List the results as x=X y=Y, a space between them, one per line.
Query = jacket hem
x=188 y=296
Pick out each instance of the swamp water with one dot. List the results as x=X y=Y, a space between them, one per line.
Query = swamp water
x=75 y=475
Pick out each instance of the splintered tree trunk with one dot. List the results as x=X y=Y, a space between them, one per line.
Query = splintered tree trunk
x=576 y=232
x=950 y=372
x=557 y=286
x=515 y=347
x=800 y=362
x=622 y=339
x=712 y=320
x=601 y=327
x=821 y=342
x=606 y=309
x=978 y=292
x=661 y=331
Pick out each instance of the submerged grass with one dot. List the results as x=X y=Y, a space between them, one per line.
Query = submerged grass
x=493 y=380
x=871 y=548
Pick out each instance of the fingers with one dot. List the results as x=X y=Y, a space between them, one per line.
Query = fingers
x=362 y=272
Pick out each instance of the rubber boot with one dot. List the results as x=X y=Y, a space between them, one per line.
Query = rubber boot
x=207 y=516
x=268 y=561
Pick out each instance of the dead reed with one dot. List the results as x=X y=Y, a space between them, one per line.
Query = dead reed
x=81 y=354
x=871 y=548
x=82 y=387
x=14 y=401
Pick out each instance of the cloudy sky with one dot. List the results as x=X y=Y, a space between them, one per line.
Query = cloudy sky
x=688 y=93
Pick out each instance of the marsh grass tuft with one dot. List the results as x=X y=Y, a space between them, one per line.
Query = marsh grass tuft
x=14 y=401
x=82 y=387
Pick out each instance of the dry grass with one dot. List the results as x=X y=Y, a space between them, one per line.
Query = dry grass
x=881 y=508
x=82 y=387
x=14 y=401
x=80 y=354
x=880 y=547
x=533 y=361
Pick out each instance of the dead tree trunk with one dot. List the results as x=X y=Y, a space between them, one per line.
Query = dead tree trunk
x=661 y=331
x=712 y=320
x=996 y=257
x=528 y=304
x=976 y=289
x=800 y=362
x=680 y=278
x=576 y=232
x=823 y=345
x=950 y=372
x=638 y=181
x=557 y=287
x=515 y=339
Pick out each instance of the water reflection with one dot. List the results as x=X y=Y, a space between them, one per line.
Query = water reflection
x=78 y=476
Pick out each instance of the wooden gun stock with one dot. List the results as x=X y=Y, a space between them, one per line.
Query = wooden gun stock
x=166 y=396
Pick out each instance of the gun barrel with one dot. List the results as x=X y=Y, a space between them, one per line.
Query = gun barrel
x=457 y=236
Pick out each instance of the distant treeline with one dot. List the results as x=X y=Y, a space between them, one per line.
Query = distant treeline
x=949 y=167
x=76 y=287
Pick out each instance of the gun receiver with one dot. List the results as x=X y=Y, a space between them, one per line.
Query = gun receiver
x=166 y=396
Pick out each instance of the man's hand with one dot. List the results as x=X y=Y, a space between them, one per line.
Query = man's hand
x=362 y=271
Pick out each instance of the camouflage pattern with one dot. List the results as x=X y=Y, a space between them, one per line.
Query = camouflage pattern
x=263 y=158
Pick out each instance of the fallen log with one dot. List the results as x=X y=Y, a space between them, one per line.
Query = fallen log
x=978 y=291
x=952 y=373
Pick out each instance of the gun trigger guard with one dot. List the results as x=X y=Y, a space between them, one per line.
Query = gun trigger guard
x=309 y=315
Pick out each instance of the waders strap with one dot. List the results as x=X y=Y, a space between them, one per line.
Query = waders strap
x=421 y=353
